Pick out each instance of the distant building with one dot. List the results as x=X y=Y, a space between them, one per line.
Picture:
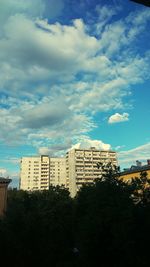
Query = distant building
x=77 y=168
x=38 y=173
x=135 y=170
x=58 y=171
x=34 y=173
x=3 y=194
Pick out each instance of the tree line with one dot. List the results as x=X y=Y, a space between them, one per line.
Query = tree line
x=106 y=224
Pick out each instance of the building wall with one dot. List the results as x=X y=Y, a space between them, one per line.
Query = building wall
x=77 y=168
x=3 y=198
x=34 y=174
x=58 y=171
x=3 y=194
x=82 y=166
x=38 y=173
x=129 y=176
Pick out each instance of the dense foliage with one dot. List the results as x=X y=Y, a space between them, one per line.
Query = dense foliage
x=107 y=224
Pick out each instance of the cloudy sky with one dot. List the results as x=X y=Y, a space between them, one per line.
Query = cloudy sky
x=73 y=73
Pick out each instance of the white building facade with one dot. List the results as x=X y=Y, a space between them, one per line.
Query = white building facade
x=38 y=173
x=79 y=167
x=82 y=166
x=58 y=171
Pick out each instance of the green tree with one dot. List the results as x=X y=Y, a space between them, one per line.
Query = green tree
x=37 y=228
x=141 y=189
x=105 y=222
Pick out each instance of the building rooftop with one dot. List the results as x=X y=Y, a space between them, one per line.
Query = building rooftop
x=5 y=180
x=91 y=149
x=134 y=169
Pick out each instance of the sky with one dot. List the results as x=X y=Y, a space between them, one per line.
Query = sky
x=73 y=74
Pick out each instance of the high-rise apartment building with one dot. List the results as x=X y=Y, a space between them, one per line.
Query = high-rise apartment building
x=35 y=173
x=77 y=168
x=58 y=171
x=38 y=173
x=82 y=166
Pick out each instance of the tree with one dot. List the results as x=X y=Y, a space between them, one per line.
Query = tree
x=105 y=221
x=141 y=189
x=37 y=228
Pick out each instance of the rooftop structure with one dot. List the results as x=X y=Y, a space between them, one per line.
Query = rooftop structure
x=135 y=170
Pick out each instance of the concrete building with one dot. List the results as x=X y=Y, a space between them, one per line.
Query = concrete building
x=135 y=170
x=77 y=168
x=38 y=173
x=34 y=173
x=81 y=166
x=3 y=194
x=58 y=171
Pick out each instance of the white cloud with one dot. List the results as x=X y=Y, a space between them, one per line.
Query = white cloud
x=44 y=151
x=87 y=143
x=129 y=157
x=41 y=122
x=84 y=143
x=31 y=8
x=119 y=147
x=118 y=118
x=64 y=72
x=45 y=115
x=55 y=150
x=35 y=50
x=3 y=172
x=137 y=22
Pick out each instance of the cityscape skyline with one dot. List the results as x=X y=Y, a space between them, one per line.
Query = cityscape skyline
x=73 y=75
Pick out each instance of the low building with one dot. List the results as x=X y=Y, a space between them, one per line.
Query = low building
x=3 y=194
x=135 y=171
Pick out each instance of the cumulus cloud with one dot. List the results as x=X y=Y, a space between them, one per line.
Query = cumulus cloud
x=118 y=118
x=31 y=8
x=101 y=97
x=35 y=51
x=87 y=143
x=55 y=150
x=41 y=122
x=60 y=149
x=45 y=115
x=3 y=172
x=59 y=76
x=44 y=151
x=31 y=47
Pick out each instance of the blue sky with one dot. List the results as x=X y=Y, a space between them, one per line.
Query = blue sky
x=73 y=73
